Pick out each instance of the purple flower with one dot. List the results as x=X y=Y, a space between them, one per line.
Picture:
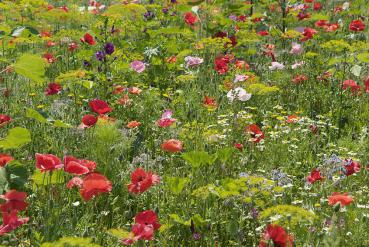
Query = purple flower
x=138 y=66
x=109 y=48
x=196 y=236
x=100 y=55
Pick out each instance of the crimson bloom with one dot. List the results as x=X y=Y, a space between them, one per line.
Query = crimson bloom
x=210 y=102
x=342 y=199
x=352 y=85
x=172 y=146
x=89 y=120
x=278 y=235
x=93 y=185
x=87 y=38
x=4 y=119
x=142 y=181
x=75 y=166
x=100 y=106
x=314 y=176
x=366 y=83
x=11 y=222
x=47 y=162
x=255 y=132
x=357 y=26
x=49 y=58
x=352 y=167
x=52 y=88
x=14 y=200
x=190 y=18
x=148 y=218
x=5 y=159
x=221 y=65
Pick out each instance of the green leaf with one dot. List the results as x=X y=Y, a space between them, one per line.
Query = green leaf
x=3 y=180
x=176 y=184
x=16 y=138
x=30 y=113
x=42 y=179
x=363 y=57
x=198 y=158
x=61 y=124
x=17 y=174
x=119 y=233
x=225 y=153
x=31 y=67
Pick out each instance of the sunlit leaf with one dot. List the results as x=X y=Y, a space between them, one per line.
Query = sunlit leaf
x=31 y=67
x=16 y=138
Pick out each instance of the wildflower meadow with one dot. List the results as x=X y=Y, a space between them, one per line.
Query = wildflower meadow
x=213 y=123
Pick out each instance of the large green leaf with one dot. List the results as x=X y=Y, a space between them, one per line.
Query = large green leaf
x=176 y=184
x=16 y=138
x=17 y=175
x=30 y=113
x=42 y=179
x=198 y=158
x=31 y=67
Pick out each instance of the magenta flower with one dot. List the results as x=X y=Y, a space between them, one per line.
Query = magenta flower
x=138 y=66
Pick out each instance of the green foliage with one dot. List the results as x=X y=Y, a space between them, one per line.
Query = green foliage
x=288 y=215
x=16 y=138
x=31 y=67
x=199 y=158
x=71 y=242
x=176 y=184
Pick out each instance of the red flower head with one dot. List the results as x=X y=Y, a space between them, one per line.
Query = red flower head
x=190 y=18
x=147 y=217
x=52 y=88
x=352 y=85
x=221 y=65
x=297 y=79
x=292 y=119
x=342 y=199
x=357 y=26
x=4 y=119
x=88 y=39
x=75 y=182
x=239 y=146
x=263 y=33
x=317 y=6
x=89 y=120
x=210 y=102
x=239 y=64
x=278 y=235
x=142 y=181
x=72 y=46
x=78 y=167
x=308 y=34
x=321 y=23
x=133 y=124
x=172 y=146
x=352 y=167
x=5 y=159
x=47 y=162
x=11 y=222
x=99 y=106
x=49 y=58
x=14 y=200
x=255 y=132
x=93 y=185
x=314 y=176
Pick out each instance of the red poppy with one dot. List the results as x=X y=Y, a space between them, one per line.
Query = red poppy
x=297 y=79
x=50 y=43
x=308 y=34
x=278 y=235
x=239 y=64
x=134 y=90
x=165 y=122
x=352 y=167
x=49 y=58
x=317 y=6
x=221 y=65
x=11 y=222
x=4 y=119
x=14 y=200
x=292 y=119
x=239 y=146
x=352 y=85
x=93 y=185
x=47 y=162
x=5 y=159
x=190 y=18
x=321 y=23
x=314 y=176
x=331 y=27
x=172 y=146
x=263 y=33
x=210 y=102
x=357 y=26
x=148 y=217
x=142 y=181
x=133 y=124
x=89 y=120
x=255 y=132
x=75 y=182
x=75 y=166
x=53 y=88
x=100 y=106
x=88 y=39
x=303 y=15
x=72 y=46
x=342 y=199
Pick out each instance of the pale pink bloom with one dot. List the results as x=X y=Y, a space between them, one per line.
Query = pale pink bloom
x=138 y=66
x=297 y=64
x=276 y=65
x=193 y=61
x=238 y=93
x=241 y=78
x=296 y=48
